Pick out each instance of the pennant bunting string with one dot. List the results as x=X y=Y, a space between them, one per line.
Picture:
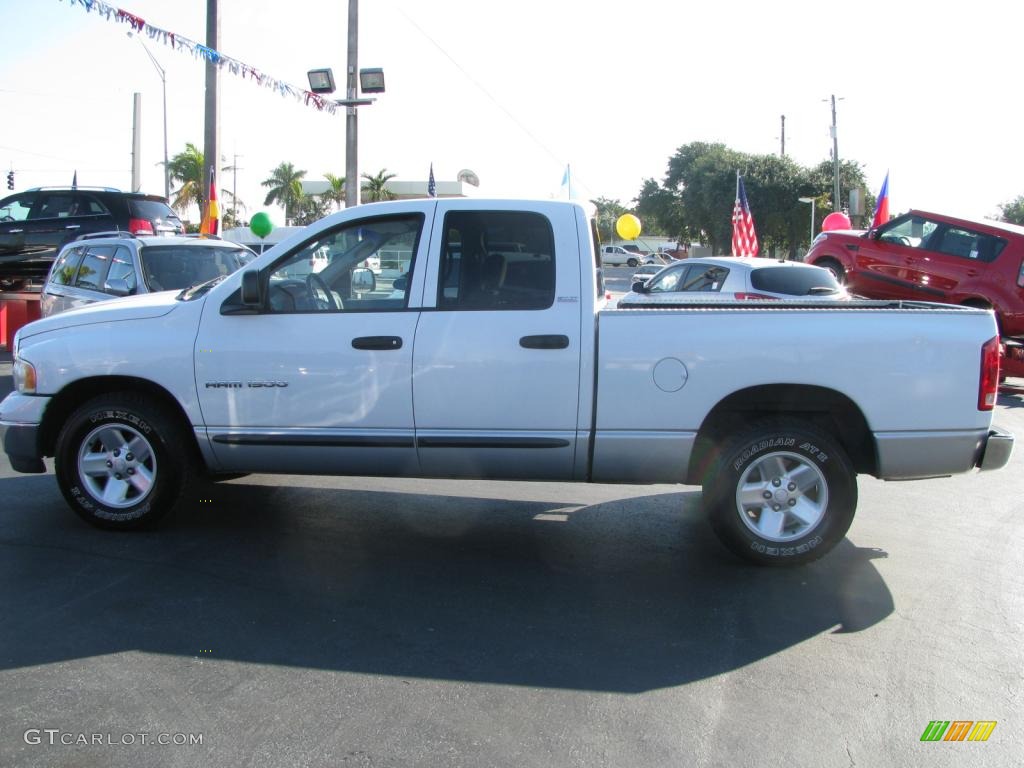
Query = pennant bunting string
x=181 y=43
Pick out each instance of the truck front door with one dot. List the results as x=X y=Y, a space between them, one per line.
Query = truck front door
x=319 y=381
x=496 y=365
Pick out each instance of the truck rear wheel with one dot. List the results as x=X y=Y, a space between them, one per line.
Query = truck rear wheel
x=122 y=461
x=783 y=493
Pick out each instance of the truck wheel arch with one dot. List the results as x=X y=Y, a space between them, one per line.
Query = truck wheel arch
x=68 y=399
x=829 y=410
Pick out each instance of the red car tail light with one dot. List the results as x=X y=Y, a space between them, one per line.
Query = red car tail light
x=753 y=297
x=1020 y=274
x=988 y=380
x=140 y=227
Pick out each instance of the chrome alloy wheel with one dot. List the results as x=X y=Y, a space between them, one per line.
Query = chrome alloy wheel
x=116 y=465
x=782 y=496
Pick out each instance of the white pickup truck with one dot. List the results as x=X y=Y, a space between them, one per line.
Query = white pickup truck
x=493 y=355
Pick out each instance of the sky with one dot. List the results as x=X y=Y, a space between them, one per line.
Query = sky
x=517 y=91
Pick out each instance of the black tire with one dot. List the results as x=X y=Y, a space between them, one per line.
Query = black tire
x=810 y=508
x=834 y=267
x=631 y=262
x=132 y=491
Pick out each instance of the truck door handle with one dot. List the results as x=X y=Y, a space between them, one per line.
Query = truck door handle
x=377 y=342
x=15 y=231
x=549 y=341
x=73 y=226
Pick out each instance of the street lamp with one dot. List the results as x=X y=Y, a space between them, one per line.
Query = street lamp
x=163 y=82
x=372 y=81
x=810 y=200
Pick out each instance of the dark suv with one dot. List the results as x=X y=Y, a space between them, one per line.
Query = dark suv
x=933 y=257
x=37 y=223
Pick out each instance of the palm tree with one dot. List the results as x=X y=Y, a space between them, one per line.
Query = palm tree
x=375 y=189
x=336 y=194
x=188 y=169
x=285 y=184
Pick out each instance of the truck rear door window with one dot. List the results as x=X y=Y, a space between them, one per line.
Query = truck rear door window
x=495 y=260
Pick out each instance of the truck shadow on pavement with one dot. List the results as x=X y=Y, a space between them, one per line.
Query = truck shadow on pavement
x=622 y=596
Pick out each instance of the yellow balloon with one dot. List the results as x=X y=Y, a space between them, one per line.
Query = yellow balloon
x=628 y=226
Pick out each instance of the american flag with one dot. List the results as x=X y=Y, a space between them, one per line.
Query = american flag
x=431 y=184
x=744 y=238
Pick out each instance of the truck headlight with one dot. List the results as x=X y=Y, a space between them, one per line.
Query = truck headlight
x=24 y=377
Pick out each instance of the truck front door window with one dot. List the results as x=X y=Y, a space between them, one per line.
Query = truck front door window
x=362 y=266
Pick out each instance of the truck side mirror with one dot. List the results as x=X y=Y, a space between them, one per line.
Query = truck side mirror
x=363 y=281
x=251 y=295
x=639 y=287
x=117 y=286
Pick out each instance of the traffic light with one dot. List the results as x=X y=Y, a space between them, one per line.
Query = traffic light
x=10 y=179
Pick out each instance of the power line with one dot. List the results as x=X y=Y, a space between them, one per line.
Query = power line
x=489 y=95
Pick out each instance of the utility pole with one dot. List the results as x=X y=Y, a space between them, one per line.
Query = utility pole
x=782 y=148
x=351 y=92
x=836 y=203
x=234 y=185
x=136 y=141
x=211 y=123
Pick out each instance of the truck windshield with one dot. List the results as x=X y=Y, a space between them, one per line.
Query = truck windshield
x=174 y=267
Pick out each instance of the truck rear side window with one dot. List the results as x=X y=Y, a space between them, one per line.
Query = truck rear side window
x=495 y=260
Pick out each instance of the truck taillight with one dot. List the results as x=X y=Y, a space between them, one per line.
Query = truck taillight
x=140 y=227
x=753 y=297
x=988 y=381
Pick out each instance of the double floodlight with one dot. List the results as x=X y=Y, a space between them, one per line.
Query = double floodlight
x=370 y=81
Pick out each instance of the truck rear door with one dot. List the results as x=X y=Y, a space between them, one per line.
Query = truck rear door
x=496 y=362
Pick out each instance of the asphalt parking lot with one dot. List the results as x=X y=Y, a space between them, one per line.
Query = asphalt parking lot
x=370 y=622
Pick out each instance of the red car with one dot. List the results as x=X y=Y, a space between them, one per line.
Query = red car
x=932 y=257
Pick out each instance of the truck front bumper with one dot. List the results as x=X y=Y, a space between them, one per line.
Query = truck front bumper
x=20 y=419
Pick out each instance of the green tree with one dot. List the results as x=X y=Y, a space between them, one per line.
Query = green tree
x=660 y=209
x=311 y=208
x=336 y=193
x=375 y=189
x=851 y=176
x=1013 y=211
x=608 y=211
x=188 y=169
x=285 y=185
x=230 y=212
x=695 y=201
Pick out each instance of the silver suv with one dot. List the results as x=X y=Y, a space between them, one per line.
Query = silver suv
x=108 y=265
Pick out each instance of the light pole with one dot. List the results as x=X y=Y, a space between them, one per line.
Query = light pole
x=836 y=202
x=163 y=82
x=369 y=80
x=810 y=200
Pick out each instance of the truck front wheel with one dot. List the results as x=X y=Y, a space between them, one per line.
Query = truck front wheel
x=782 y=493
x=122 y=461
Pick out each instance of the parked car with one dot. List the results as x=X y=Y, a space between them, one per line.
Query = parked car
x=37 y=223
x=617 y=256
x=731 y=277
x=106 y=266
x=656 y=258
x=933 y=257
x=645 y=273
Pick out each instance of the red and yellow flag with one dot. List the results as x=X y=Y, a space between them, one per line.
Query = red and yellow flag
x=210 y=225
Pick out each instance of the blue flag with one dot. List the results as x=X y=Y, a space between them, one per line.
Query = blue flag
x=431 y=184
